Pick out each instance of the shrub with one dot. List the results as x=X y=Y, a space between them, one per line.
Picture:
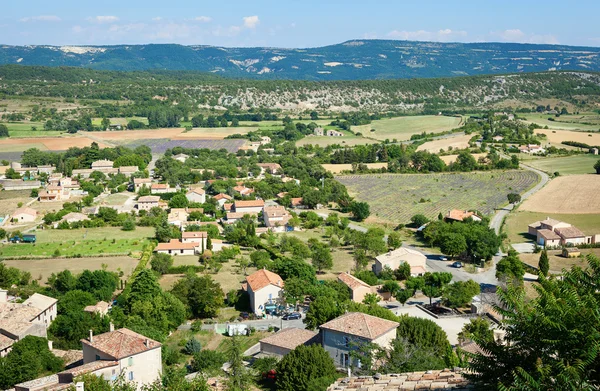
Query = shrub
x=192 y=346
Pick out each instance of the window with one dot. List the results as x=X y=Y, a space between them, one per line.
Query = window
x=346 y=341
x=97 y=357
x=345 y=360
x=130 y=375
x=130 y=361
x=270 y=296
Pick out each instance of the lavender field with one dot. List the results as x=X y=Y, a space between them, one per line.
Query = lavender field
x=398 y=197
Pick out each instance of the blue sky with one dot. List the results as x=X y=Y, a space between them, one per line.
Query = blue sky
x=295 y=23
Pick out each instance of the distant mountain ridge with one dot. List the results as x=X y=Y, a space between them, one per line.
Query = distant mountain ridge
x=351 y=60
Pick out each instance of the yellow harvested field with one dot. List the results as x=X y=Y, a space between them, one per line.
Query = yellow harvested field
x=337 y=168
x=213 y=133
x=137 y=134
x=574 y=194
x=452 y=158
x=48 y=143
x=458 y=142
x=558 y=136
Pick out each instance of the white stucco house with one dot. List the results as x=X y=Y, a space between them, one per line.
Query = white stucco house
x=196 y=195
x=265 y=289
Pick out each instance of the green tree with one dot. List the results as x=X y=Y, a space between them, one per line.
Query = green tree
x=510 y=269
x=361 y=260
x=597 y=167
x=551 y=340
x=129 y=225
x=514 y=198
x=402 y=295
x=452 y=244
x=434 y=284
x=477 y=329
x=423 y=333
x=4 y=131
x=371 y=299
x=179 y=200
x=322 y=310
x=208 y=361
x=394 y=241
x=306 y=368
x=460 y=293
x=203 y=296
x=419 y=220
x=239 y=377
x=105 y=124
x=161 y=263
x=403 y=272
x=360 y=210
x=192 y=346
x=544 y=264
x=321 y=257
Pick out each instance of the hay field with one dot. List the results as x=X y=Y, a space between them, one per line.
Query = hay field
x=558 y=136
x=575 y=194
x=46 y=143
x=457 y=142
x=338 y=168
x=324 y=141
x=401 y=128
x=452 y=158
x=566 y=122
x=45 y=267
x=558 y=262
x=129 y=135
x=213 y=133
x=398 y=197
x=567 y=165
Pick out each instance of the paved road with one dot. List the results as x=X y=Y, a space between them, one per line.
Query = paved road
x=260 y=324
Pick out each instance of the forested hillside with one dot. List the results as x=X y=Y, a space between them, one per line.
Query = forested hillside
x=198 y=90
x=352 y=60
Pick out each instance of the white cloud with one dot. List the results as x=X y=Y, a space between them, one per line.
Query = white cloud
x=251 y=22
x=203 y=19
x=157 y=19
x=104 y=19
x=517 y=35
x=41 y=18
x=424 y=35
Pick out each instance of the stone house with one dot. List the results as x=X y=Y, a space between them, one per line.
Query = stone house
x=147 y=202
x=393 y=259
x=264 y=288
x=196 y=195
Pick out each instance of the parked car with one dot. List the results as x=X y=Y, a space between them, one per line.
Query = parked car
x=244 y=316
x=457 y=265
x=443 y=258
x=292 y=316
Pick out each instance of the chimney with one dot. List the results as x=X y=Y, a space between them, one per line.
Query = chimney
x=147 y=343
x=79 y=386
x=3 y=296
x=111 y=327
x=49 y=345
x=91 y=336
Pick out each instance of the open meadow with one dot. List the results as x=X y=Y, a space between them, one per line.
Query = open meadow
x=398 y=197
x=517 y=221
x=213 y=133
x=574 y=194
x=348 y=139
x=402 y=128
x=9 y=200
x=86 y=242
x=338 y=168
x=568 y=122
x=558 y=262
x=565 y=165
x=456 y=142
x=41 y=269
x=556 y=137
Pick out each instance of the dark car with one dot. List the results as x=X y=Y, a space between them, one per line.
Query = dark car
x=457 y=265
x=244 y=316
x=292 y=316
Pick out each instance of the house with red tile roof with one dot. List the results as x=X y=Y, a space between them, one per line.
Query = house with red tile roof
x=250 y=206
x=265 y=289
x=286 y=340
x=176 y=247
x=461 y=215
x=347 y=332
x=222 y=198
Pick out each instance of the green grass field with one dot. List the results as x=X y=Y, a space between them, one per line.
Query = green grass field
x=517 y=222
x=398 y=197
x=401 y=128
x=567 y=122
x=92 y=241
x=567 y=165
x=24 y=129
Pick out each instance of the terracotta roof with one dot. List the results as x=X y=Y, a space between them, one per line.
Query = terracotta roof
x=249 y=204
x=149 y=199
x=550 y=222
x=128 y=169
x=175 y=244
x=160 y=186
x=263 y=278
x=290 y=338
x=238 y=215
x=121 y=343
x=139 y=181
x=426 y=380
x=102 y=163
x=197 y=191
x=192 y=235
x=459 y=215
x=296 y=201
x=89 y=367
x=26 y=211
x=227 y=206
x=5 y=342
x=570 y=232
x=360 y=325
x=282 y=194
x=41 y=302
x=275 y=211
x=548 y=235
x=222 y=196
x=271 y=166
x=101 y=306
x=351 y=281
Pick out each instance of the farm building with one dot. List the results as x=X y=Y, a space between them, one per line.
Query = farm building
x=24 y=215
x=296 y=203
x=103 y=166
x=571 y=252
x=461 y=215
x=594 y=151
x=74 y=217
x=318 y=132
x=531 y=148
x=19 y=184
x=265 y=140
x=82 y=172
x=393 y=259
x=555 y=233
x=243 y=190
x=128 y=170
x=286 y=340
x=199 y=238
x=196 y=195
x=334 y=133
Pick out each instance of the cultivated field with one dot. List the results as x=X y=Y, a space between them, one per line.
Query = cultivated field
x=46 y=143
x=93 y=241
x=517 y=222
x=567 y=165
x=458 y=142
x=401 y=128
x=573 y=194
x=397 y=197
x=338 y=168
x=41 y=269
x=567 y=122
x=558 y=136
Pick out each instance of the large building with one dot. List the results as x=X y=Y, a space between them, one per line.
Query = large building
x=348 y=332
x=551 y=233
x=265 y=289
x=250 y=207
x=393 y=259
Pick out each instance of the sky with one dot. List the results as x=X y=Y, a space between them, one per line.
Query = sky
x=295 y=23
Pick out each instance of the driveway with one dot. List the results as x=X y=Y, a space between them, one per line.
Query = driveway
x=259 y=324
